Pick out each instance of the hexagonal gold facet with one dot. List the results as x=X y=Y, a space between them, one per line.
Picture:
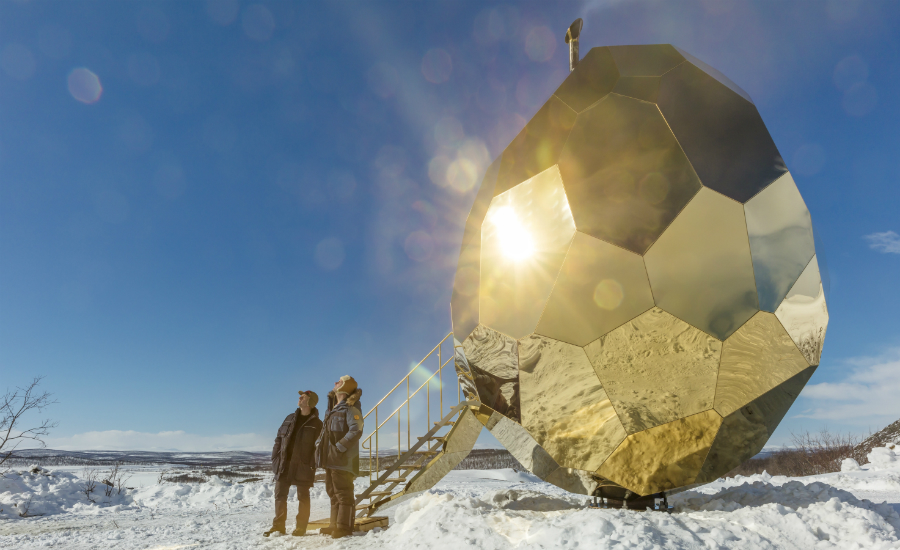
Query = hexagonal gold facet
x=599 y=287
x=524 y=240
x=663 y=457
x=755 y=359
x=781 y=239
x=655 y=369
x=625 y=174
x=700 y=268
x=564 y=405
x=721 y=133
x=745 y=431
x=493 y=363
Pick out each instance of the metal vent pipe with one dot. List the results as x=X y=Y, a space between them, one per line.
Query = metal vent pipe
x=572 y=34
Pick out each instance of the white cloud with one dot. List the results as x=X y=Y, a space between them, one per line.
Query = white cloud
x=128 y=440
x=887 y=242
x=869 y=391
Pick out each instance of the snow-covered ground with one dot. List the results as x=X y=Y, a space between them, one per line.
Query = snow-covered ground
x=492 y=509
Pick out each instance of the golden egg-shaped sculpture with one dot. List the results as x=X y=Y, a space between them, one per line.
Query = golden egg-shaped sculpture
x=637 y=301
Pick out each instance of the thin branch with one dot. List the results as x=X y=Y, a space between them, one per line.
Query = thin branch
x=13 y=408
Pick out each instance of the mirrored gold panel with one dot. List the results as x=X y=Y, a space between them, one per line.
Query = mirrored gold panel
x=537 y=146
x=625 y=174
x=460 y=440
x=524 y=240
x=663 y=457
x=593 y=78
x=464 y=300
x=755 y=359
x=645 y=88
x=804 y=315
x=463 y=372
x=599 y=287
x=781 y=239
x=721 y=78
x=564 y=406
x=774 y=404
x=721 y=133
x=700 y=268
x=522 y=446
x=645 y=59
x=472 y=231
x=493 y=360
x=741 y=436
x=655 y=369
x=745 y=431
x=573 y=480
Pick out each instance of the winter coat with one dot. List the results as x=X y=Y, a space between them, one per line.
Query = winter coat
x=338 y=445
x=293 y=455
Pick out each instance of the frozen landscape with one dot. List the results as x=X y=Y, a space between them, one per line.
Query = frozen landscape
x=484 y=509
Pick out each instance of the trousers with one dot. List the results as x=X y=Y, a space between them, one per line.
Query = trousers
x=339 y=486
x=282 y=488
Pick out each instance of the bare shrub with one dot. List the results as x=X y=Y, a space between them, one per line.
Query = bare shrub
x=89 y=476
x=191 y=477
x=24 y=509
x=114 y=481
x=162 y=476
x=811 y=454
x=14 y=406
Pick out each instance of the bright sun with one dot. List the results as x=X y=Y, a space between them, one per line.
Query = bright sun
x=515 y=241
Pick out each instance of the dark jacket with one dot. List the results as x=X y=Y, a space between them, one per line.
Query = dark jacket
x=338 y=445
x=293 y=455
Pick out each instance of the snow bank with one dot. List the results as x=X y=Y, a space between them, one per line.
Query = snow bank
x=38 y=492
x=750 y=516
x=215 y=493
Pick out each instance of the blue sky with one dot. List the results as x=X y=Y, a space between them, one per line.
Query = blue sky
x=257 y=202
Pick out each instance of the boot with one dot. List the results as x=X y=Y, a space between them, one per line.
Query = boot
x=299 y=532
x=332 y=523
x=274 y=530
x=340 y=532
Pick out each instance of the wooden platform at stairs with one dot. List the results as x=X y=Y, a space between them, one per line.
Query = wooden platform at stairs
x=362 y=524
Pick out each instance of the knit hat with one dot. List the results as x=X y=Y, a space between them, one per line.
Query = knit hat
x=313 y=397
x=348 y=386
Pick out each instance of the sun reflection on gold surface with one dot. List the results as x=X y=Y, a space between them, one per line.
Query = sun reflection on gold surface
x=516 y=242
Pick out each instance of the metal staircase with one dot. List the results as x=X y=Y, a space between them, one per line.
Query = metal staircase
x=397 y=473
x=392 y=477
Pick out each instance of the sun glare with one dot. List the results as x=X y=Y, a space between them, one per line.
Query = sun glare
x=515 y=241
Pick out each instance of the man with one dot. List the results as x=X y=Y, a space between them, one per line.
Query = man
x=293 y=461
x=338 y=452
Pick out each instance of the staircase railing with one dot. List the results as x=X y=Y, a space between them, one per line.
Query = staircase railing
x=384 y=420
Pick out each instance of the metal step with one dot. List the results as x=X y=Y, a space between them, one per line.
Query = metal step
x=364 y=506
x=380 y=493
x=392 y=480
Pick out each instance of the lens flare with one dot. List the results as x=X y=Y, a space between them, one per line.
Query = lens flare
x=516 y=242
x=84 y=85
x=608 y=294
